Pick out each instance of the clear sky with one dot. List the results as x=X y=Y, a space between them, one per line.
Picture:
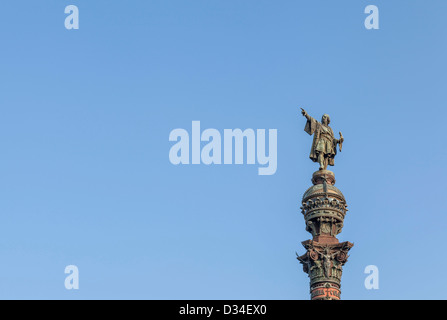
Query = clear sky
x=85 y=176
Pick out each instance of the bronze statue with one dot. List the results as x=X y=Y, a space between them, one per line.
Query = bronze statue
x=324 y=144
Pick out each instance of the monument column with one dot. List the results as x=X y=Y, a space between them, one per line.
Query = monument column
x=324 y=209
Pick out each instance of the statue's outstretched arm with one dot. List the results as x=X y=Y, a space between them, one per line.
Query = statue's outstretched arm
x=305 y=114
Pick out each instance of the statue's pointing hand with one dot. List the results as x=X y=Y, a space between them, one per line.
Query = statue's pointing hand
x=303 y=112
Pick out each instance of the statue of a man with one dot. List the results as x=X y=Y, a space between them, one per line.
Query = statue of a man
x=327 y=262
x=324 y=145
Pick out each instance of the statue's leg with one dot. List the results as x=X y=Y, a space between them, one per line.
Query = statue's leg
x=321 y=160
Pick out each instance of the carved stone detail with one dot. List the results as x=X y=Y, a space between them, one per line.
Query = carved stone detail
x=323 y=262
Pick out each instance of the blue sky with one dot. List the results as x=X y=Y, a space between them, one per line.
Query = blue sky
x=85 y=176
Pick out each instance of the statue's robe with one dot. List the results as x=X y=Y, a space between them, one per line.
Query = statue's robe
x=323 y=140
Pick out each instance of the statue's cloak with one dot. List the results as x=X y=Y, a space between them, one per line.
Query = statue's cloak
x=323 y=140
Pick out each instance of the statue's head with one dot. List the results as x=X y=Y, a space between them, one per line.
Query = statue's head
x=325 y=119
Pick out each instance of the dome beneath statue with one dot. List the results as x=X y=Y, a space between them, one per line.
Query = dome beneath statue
x=318 y=191
x=323 y=185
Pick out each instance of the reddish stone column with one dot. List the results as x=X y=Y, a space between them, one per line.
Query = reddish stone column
x=324 y=210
